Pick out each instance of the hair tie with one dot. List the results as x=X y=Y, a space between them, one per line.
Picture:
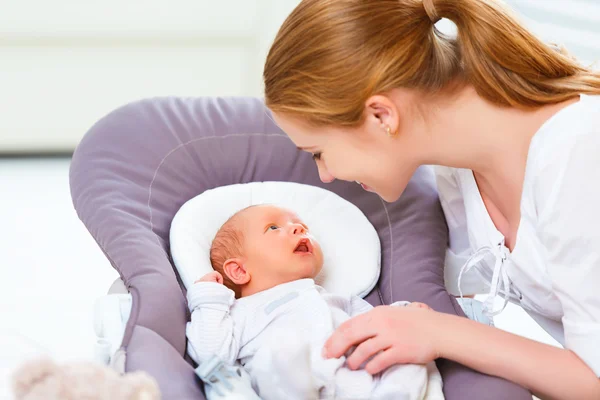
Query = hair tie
x=430 y=11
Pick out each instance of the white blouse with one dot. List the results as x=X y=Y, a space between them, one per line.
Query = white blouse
x=553 y=271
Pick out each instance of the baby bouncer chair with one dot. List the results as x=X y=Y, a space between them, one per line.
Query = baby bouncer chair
x=138 y=165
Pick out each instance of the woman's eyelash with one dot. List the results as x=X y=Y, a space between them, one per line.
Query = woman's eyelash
x=316 y=156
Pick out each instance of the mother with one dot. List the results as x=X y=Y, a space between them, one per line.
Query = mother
x=374 y=90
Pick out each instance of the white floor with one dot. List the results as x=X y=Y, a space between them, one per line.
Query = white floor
x=53 y=271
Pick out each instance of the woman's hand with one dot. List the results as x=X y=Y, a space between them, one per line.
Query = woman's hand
x=391 y=335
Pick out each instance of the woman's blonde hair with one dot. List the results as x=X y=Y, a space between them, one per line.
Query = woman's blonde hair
x=330 y=56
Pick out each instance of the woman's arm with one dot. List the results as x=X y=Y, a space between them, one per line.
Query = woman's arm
x=549 y=372
x=412 y=335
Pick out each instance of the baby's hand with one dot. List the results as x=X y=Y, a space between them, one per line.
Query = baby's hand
x=211 y=277
x=420 y=305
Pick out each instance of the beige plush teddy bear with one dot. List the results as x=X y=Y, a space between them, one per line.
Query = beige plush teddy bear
x=45 y=380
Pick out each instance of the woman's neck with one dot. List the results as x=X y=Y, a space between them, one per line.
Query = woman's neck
x=469 y=132
x=493 y=141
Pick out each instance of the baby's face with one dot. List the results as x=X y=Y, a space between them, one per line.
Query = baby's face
x=278 y=246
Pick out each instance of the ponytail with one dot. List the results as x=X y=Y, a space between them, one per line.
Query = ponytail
x=506 y=63
x=330 y=56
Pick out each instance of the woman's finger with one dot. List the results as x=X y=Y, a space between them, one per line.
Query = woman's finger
x=354 y=331
x=219 y=278
x=364 y=351
x=383 y=360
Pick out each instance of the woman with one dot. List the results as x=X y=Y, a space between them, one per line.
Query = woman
x=373 y=90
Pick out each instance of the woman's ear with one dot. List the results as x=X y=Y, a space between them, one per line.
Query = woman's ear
x=236 y=271
x=382 y=111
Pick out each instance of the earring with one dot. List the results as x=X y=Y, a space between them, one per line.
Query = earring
x=388 y=130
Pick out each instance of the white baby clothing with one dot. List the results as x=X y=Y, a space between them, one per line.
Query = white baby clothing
x=553 y=271
x=278 y=335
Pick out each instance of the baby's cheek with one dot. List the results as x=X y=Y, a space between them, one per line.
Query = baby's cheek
x=280 y=260
x=320 y=255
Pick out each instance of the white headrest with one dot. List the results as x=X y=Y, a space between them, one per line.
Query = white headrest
x=351 y=248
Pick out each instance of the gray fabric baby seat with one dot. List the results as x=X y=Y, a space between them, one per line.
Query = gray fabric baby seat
x=135 y=168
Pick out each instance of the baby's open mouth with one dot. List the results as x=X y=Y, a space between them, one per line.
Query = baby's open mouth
x=303 y=246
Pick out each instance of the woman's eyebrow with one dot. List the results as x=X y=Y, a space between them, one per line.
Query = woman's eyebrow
x=306 y=148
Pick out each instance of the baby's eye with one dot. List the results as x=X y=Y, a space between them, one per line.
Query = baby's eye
x=272 y=227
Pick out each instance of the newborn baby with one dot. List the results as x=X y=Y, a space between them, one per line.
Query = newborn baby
x=262 y=307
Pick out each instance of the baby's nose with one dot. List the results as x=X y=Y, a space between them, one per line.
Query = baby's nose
x=298 y=229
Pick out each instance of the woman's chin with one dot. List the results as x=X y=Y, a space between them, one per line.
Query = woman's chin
x=391 y=196
x=387 y=197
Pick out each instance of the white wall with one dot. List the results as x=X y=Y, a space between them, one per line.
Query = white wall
x=572 y=23
x=66 y=63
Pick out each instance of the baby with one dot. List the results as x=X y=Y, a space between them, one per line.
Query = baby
x=262 y=307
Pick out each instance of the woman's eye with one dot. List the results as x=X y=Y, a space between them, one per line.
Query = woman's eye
x=316 y=156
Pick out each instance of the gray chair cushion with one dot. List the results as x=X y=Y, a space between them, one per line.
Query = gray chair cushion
x=136 y=167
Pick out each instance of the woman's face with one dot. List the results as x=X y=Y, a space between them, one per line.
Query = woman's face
x=382 y=164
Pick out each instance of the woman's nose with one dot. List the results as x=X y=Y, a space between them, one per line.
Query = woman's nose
x=324 y=175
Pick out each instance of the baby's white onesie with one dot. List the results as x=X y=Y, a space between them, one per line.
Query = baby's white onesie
x=278 y=335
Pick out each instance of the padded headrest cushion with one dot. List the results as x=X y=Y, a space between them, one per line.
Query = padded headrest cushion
x=351 y=248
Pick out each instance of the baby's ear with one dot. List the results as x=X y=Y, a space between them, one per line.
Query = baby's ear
x=236 y=271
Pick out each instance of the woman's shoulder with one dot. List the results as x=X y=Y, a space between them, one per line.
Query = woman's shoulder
x=563 y=155
x=574 y=127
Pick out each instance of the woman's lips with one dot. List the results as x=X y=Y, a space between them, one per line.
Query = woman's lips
x=367 y=188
